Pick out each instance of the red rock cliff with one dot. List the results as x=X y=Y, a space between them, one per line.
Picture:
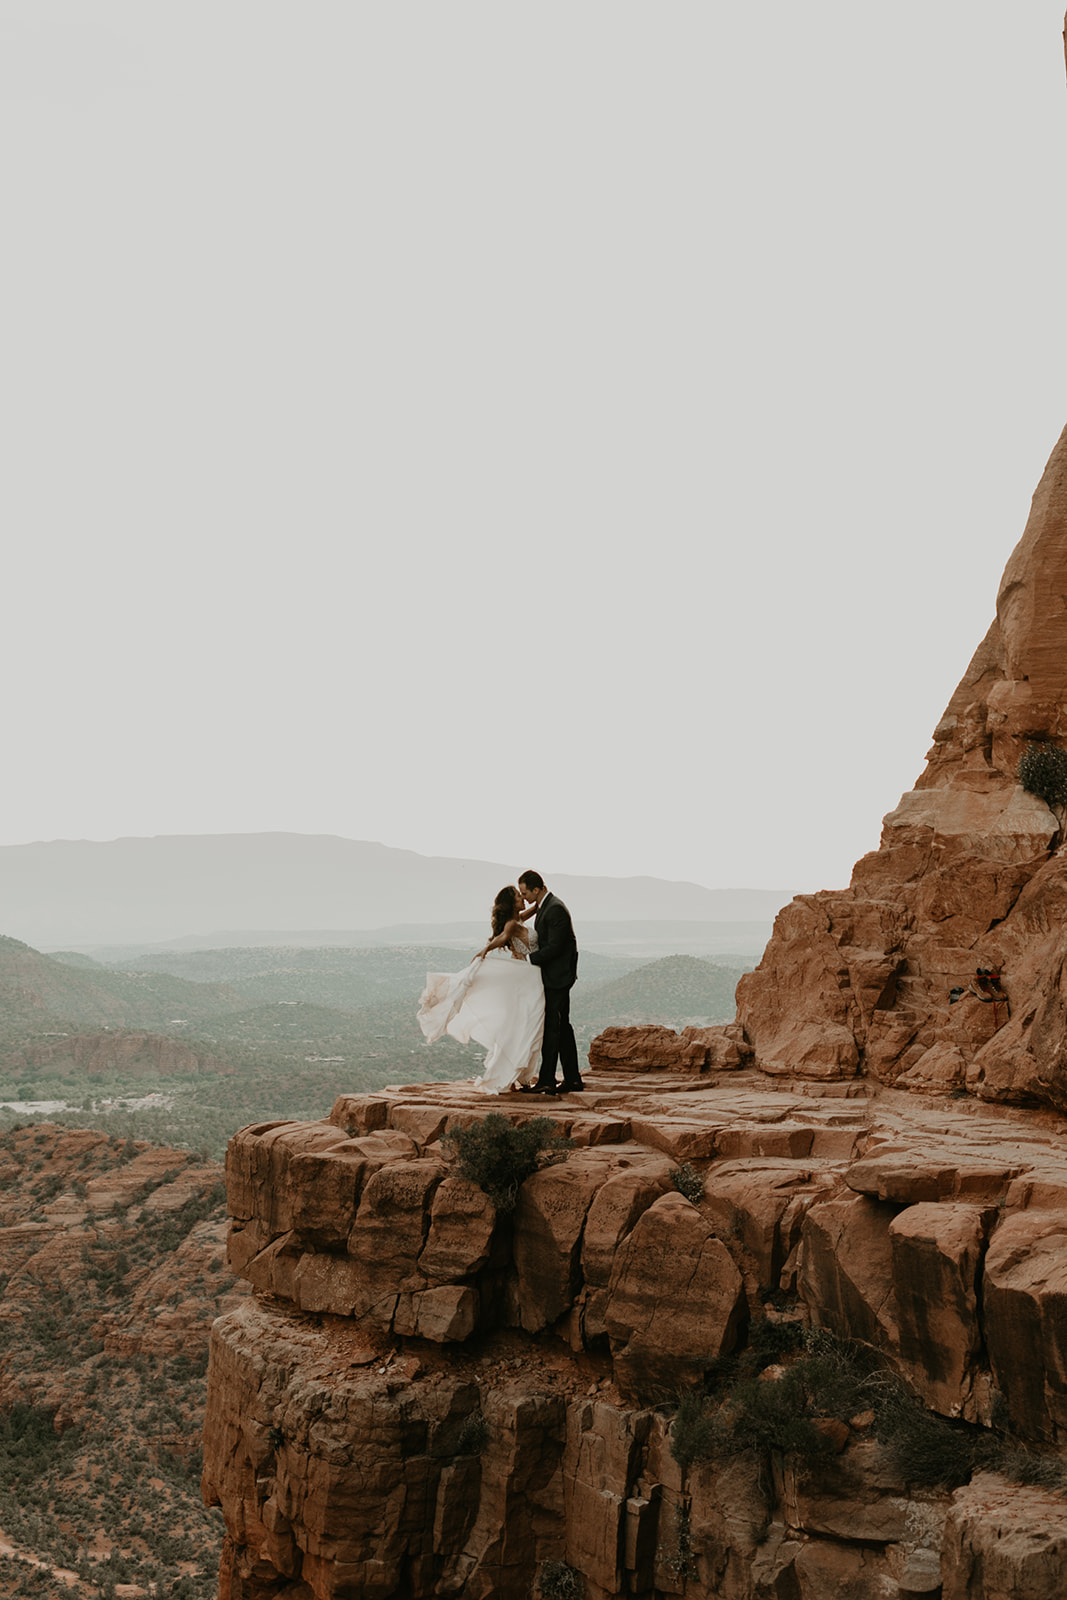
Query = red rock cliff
x=425 y=1399
x=970 y=873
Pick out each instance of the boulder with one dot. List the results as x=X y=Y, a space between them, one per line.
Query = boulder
x=462 y=1221
x=846 y=1269
x=1004 y=1541
x=675 y=1302
x=391 y=1226
x=937 y=1256
x=549 y=1220
x=615 y=1209
x=1024 y=1291
x=649 y=1049
x=857 y=1495
x=763 y=1203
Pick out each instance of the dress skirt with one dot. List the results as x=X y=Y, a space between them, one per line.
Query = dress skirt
x=499 y=1003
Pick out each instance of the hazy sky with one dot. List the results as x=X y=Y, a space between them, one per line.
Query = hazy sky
x=585 y=434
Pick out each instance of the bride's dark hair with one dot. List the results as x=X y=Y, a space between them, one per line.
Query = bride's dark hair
x=505 y=906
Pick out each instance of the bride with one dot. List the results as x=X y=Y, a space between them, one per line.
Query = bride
x=499 y=1000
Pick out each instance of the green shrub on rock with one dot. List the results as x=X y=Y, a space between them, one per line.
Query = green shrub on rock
x=473 y=1435
x=560 y=1581
x=927 y=1448
x=499 y=1155
x=1043 y=771
x=688 y=1182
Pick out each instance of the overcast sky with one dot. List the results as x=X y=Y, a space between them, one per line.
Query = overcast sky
x=581 y=434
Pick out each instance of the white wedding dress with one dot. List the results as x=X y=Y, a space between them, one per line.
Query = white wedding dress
x=498 y=1002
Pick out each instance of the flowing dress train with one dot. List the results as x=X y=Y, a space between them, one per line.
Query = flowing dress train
x=500 y=1003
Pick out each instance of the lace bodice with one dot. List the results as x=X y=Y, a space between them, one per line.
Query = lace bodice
x=518 y=948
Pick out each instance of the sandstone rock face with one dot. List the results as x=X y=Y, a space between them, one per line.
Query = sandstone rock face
x=969 y=875
x=425 y=1399
x=1025 y=1288
x=721 y=1048
x=674 y=1302
x=1004 y=1541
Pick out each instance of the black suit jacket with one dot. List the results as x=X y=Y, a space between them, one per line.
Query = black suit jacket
x=557 y=948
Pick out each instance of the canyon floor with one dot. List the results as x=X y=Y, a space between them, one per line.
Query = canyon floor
x=111 y=1273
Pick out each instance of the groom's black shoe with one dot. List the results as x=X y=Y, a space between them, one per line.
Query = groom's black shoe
x=573 y=1088
x=538 y=1088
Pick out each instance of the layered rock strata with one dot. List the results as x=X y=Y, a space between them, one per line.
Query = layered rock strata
x=970 y=874
x=424 y=1398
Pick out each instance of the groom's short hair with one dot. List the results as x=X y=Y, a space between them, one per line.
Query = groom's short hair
x=532 y=880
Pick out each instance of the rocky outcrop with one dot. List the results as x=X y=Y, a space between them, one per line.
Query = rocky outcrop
x=426 y=1398
x=721 y=1048
x=969 y=875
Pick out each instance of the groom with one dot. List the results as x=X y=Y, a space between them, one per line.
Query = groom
x=557 y=956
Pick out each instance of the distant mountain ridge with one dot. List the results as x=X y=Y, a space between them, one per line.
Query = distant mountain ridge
x=77 y=892
x=674 y=991
x=37 y=991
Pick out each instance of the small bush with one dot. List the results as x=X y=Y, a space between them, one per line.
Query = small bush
x=695 y=1432
x=688 y=1181
x=928 y=1449
x=1043 y=771
x=841 y=1376
x=473 y=1436
x=560 y=1582
x=738 y=1412
x=1021 y=1466
x=499 y=1155
x=770 y=1338
x=741 y=1412
x=770 y=1415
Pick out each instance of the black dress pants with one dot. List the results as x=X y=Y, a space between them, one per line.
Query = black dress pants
x=559 y=1041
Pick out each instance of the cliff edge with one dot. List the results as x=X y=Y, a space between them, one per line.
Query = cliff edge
x=426 y=1397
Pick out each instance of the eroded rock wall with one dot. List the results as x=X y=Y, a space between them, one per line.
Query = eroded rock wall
x=424 y=1398
x=970 y=873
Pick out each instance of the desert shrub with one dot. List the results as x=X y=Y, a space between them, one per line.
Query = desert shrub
x=928 y=1449
x=1043 y=771
x=1023 y=1466
x=499 y=1155
x=688 y=1182
x=841 y=1376
x=722 y=1371
x=770 y=1338
x=757 y=1415
x=560 y=1581
x=768 y=1341
x=473 y=1435
x=766 y=1415
x=695 y=1431
x=737 y=1411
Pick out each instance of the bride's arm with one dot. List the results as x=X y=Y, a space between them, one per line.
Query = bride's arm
x=501 y=939
x=527 y=913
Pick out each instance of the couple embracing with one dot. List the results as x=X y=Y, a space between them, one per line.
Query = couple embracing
x=515 y=996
